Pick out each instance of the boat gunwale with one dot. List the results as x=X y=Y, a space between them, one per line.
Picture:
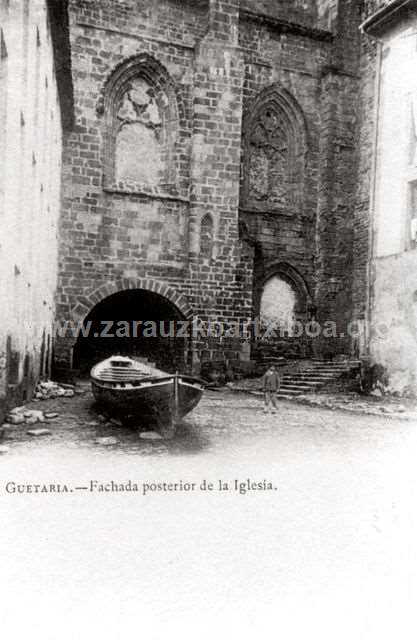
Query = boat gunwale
x=144 y=378
x=136 y=383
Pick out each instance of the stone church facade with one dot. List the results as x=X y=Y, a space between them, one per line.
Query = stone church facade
x=223 y=161
x=214 y=152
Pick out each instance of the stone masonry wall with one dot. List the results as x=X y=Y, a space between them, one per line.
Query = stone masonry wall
x=319 y=72
x=291 y=63
x=298 y=11
x=338 y=165
x=213 y=59
x=107 y=234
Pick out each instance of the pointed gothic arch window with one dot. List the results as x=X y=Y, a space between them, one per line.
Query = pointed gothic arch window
x=274 y=153
x=142 y=116
x=206 y=236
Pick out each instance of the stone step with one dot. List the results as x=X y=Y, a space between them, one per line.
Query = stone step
x=299 y=387
x=307 y=376
x=309 y=381
x=319 y=382
x=312 y=376
x=289 y=392
x=325 y=368
x=334 y=367
x=316 y=374
x=304 y=381
x=330 y=371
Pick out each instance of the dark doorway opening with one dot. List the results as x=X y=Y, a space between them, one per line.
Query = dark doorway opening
x=137 y=323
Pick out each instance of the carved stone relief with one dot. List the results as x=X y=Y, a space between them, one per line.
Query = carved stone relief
x=138 y=139
x=269 y=160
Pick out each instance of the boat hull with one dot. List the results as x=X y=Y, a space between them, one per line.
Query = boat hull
x=157 y=402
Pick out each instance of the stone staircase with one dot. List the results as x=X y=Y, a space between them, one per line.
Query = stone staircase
x=314 y=376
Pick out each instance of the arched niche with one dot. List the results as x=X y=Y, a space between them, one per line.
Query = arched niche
x=142 y=113
x=283 y=305
x=206 y=237
x=293 y=279
x=274 y=153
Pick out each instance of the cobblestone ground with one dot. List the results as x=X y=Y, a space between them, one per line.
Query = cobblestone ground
x=326 y=550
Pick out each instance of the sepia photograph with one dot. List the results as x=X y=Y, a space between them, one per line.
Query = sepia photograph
x=208 y=305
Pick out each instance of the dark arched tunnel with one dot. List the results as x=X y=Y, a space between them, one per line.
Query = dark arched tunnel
x=133 y=322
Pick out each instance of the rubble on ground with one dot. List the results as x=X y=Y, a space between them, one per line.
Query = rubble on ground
x=15 y=419
x=24 y=416
x=33 y=416
x=48 y=389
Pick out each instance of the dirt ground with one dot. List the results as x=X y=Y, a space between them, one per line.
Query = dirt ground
x=222 y=415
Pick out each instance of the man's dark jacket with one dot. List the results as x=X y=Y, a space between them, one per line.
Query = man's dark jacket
x=271 y=381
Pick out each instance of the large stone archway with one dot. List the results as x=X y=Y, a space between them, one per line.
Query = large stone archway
x=96 y=294
x=123 y=296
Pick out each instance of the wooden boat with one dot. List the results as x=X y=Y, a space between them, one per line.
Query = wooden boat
x=142 y=394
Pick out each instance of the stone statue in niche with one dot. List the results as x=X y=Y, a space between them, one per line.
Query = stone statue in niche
x=268 y=161
x=138 y=139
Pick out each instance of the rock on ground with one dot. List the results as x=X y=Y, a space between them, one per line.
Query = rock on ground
x=15 y=418
x=108 y=441
x=18 y=410
x=150 y=435
x=39 y=432
x=38 y=416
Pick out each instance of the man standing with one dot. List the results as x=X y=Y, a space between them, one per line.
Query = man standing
x=271 y=385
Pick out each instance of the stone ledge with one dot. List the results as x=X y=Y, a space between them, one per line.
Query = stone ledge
x=153 y=193
x=287 y=212
x=286 y=26
x=136 y=36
